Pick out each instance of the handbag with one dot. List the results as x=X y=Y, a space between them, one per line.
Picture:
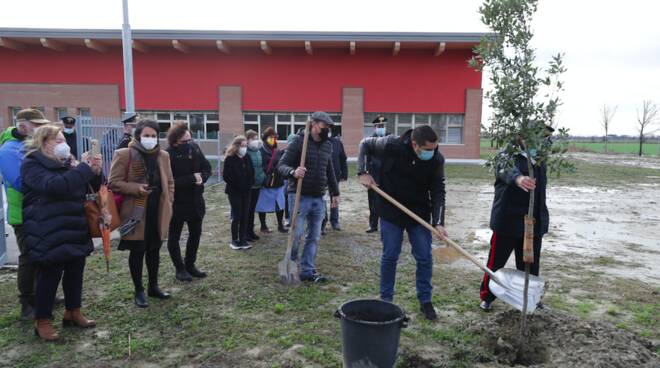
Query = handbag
x=118 y=197
x=269 y=182
x=94 y=215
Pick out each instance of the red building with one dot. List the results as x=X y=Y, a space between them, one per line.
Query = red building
x=223 y=83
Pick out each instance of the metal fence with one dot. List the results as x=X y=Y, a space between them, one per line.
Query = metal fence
x=3 y=237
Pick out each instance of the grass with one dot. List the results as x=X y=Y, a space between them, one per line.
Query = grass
x=241 y=316
x=650 y=147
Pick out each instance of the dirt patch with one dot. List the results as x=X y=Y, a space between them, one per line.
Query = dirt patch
x=557 y=339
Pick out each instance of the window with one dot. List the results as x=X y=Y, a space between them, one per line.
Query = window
x=12 y=113
x=61 y=112
x=284 y=123
x=196 y=125
x=85 y=114
x=202 y=124
x=449 y=127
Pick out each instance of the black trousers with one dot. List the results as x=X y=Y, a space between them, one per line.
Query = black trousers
x=49 y=276
x=137 y=256
x=194 y=222
x=501 y=247
x=240 y=211
x=373 y=216
x=254 y=197
x=26 y=279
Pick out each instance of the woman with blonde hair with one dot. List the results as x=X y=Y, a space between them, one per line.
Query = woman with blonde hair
x=238 y=174
x=55 y=226
x=142 y=174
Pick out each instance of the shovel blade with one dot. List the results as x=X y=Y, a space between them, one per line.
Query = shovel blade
x=512 y=288
x=288 y=272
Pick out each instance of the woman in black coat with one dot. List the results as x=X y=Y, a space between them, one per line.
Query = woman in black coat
x=190 y=170
x=238 y=174
x=55 y=226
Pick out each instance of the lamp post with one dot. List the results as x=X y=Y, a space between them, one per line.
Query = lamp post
x=127 y=45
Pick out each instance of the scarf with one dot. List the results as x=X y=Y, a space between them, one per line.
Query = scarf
x=138 y=168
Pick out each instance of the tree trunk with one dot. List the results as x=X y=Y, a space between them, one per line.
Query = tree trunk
x=606 y=141
x=530 y=215
x=641 y=142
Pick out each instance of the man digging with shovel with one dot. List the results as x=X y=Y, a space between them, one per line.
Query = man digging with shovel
x=412 y=172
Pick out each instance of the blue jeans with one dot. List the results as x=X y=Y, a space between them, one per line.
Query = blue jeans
x=312 y=211
x=420 y=239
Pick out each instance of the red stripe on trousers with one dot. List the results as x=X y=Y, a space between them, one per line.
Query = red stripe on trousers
x=491 y=259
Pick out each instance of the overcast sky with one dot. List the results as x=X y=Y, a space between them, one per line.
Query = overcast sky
x=612 y=47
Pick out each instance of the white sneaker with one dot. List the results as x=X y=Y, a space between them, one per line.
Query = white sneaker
x=234 y=245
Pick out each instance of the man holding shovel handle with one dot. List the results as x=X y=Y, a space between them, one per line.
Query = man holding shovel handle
x=412 y=172
x=509 y=218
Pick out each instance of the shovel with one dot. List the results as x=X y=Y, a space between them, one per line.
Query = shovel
x=288 y=269
x=506 y=284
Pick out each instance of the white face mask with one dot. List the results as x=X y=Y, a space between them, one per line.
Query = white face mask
x=242 y=151
x=254 y=144
x=149 y=142
x=68 y=130
x=62 y=151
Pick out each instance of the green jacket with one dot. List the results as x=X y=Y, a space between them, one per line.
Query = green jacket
x=257 y=163
x=11 y=159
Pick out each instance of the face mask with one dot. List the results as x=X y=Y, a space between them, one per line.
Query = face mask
x=242 y=151
x=254 y=144
x=380 y=132
x=62 y=151
x=271 y=141
x=68 y=130
x=425 y=155
x=184 y=147
x=149 y=142
x=325 y=133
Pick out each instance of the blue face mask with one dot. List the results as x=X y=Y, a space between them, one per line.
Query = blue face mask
x=425 y=155
x=380 y=132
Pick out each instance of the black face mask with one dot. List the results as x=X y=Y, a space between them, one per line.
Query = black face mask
x=184 y=147
x=324 y=133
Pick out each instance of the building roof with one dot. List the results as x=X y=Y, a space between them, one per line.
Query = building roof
x=19 y=38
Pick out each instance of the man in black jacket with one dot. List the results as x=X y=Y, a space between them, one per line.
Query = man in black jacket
x=340 y=164
x=69 y=132
x=129 y=127
x=412 y=172
x=190 y=170
x=510 y=205
x=373 y=166
x=318 y=175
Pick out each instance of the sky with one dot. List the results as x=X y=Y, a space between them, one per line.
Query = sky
x=612 y=48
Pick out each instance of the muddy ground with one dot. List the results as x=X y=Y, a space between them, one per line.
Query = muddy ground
x=600 y=261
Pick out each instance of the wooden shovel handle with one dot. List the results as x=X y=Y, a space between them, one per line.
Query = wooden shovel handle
x=434 y=231
x=296 y=204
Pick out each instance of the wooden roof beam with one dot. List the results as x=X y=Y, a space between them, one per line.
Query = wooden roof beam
x=351 y=46
x=11 y=44
x=396 y=49
x=95 y=45
x=223 y=47
x=180 y=46
x=308 y=48
x=139 y=46
x=440 y=48
x=52 y=44
x=265 y=48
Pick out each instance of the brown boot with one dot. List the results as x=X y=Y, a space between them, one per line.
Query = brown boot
x=75 y=318
x=44 y=329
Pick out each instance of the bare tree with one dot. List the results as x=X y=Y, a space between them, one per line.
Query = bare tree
x=648 y=118
x=607 y=114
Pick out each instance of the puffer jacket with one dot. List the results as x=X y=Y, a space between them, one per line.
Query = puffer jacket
x=320 y=175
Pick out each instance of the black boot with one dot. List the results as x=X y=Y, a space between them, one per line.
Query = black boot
x=282 y=229
x=195 y=272
x=141 y=299
x=156 y=292
x=183 y=275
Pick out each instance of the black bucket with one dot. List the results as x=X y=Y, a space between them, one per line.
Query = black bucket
x=370 y=331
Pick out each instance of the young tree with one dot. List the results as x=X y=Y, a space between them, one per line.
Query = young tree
x=524 y=99
x=647 y=119
x=606 y=116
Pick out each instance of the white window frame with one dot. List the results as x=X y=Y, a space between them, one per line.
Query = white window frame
x=187 y=114
x=13 y=111
x=415 y=122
